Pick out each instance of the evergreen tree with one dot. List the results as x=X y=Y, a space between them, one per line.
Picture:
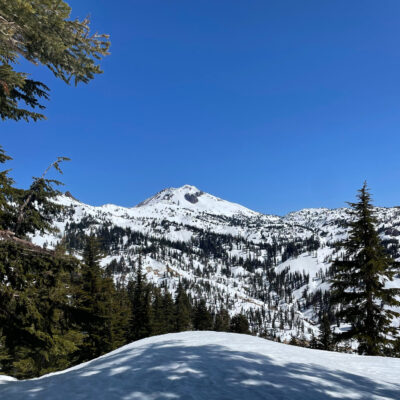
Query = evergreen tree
x=182 y=310
x=42 y=32
x=239 y=324
x=121 y=315
x=202 y=320
x=325 y=339
x=34 y=289
x=95 y=304
x=7 y=195
x=35 y=285
x=222 y=321
x=139 y=293
x=168 y=312
x=359 y=283
x=157 y=313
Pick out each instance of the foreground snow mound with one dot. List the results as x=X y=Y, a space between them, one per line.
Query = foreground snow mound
x=211 y=365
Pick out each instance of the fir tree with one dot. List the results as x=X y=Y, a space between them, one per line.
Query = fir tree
x=222 y=321
x=42 y=32
x=34 y=290
x=325 y=339
x=202 y=320
x=139 y=293
x=95 y=304
x=168 y=312
x=239 y=324
x=121 y=315
x=182 y=310
x=359 y=283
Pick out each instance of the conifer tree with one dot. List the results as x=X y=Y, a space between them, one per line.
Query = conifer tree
x=139 y=293
x=157 y=315
x=168 y=312
x=7 y=195
x=182 y=310
x=222 y=321
x=42 y=32
x=325 y=339
x=239 y=324
x=359 y=283
x=202 y=319
x=121 y=315
x=34 y=288
x=95 y=304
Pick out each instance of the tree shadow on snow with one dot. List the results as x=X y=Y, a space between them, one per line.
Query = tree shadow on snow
x=169 y=370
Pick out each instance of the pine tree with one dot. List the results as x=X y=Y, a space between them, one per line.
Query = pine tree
x=95 y=304
x=222 y=321
x=34 y=289
x=183 y=310
x=7 y=195
x=358 y=285
x=35 y=286
x=168 y=312
x=157 y=314
x=42 y=32
x=121 y=315
x=239 y=324
x=202 y=320
x=325 y=339
x=139 y=293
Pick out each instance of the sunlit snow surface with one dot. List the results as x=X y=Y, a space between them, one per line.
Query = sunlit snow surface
x=216 y=366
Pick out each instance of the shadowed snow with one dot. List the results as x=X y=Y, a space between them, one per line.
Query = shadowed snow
x=211 y=365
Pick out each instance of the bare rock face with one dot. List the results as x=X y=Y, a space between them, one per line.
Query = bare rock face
x=193 y=197
x=68 y=194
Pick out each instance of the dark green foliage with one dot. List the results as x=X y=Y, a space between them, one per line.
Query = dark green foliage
x=183 y=310
x=42 y=32
x=325 y=339
x=7 y=195
x=121 y=315
x=222 y=321
x=139 y=293
x=35 y=310
x=95 y=304
x=359 y=283
x=239 y=324
x=202 y=318
x=168 y=311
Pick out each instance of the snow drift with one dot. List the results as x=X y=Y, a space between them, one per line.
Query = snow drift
x=212 y=365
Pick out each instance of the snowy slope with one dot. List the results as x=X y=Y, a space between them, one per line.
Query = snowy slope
x=266 y=266
x=215 y=366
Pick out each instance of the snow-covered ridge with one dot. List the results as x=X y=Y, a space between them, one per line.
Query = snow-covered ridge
x=233 y=257
x=214 y=366
x=190 y=198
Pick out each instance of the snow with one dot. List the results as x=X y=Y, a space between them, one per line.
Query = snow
x=215 y=366
x=186 y=214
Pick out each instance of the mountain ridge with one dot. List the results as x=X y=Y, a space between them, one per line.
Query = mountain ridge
x=274 y=269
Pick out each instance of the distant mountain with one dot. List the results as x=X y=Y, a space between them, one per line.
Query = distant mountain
x=274 y=269
x=215 y=366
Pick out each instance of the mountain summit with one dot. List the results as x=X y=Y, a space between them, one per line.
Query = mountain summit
x=191 y=198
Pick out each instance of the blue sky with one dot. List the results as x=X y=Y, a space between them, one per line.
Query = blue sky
x=277 y=105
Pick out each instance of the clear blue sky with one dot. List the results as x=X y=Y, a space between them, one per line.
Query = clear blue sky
x=277 y=105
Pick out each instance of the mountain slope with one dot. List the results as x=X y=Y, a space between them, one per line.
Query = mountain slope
x=274 y=269
x=211 y=365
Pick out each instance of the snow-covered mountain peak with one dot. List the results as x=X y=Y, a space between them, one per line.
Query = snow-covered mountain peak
x=173 y=196
x=189 y=197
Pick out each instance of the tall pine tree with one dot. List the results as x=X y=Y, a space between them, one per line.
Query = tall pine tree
x=95 y=304
x=359 y=283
